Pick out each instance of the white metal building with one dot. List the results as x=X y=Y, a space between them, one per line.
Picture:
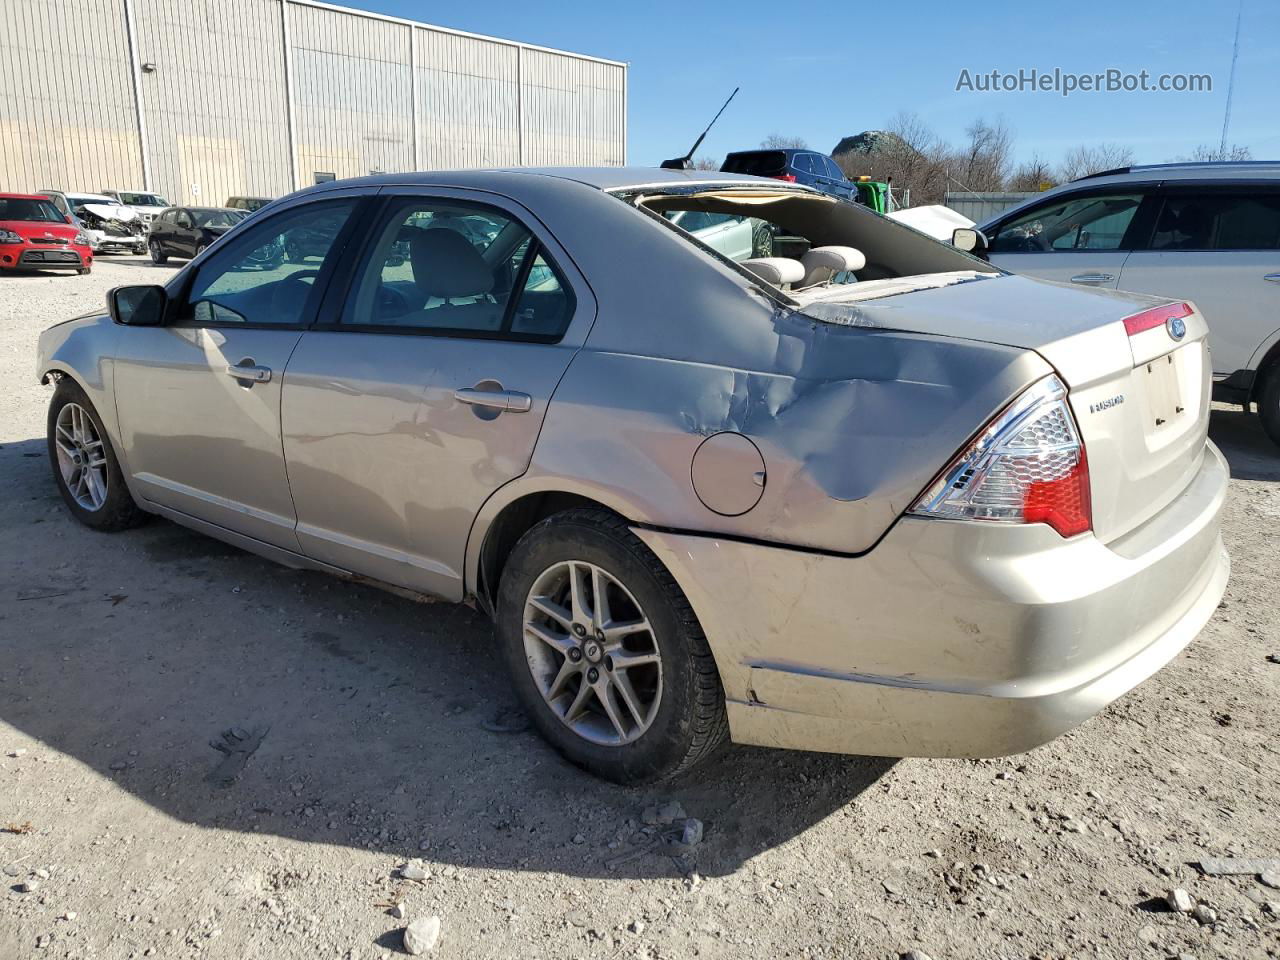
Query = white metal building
x=204 y=99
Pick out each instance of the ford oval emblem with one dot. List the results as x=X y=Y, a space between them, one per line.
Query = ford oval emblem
x=1177 y=327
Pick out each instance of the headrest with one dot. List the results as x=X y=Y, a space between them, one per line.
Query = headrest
x=775 y=270
x=445 y=264
x=834 y=259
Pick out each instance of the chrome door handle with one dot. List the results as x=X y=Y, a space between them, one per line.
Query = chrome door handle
x=1273 y=277
x=1093 y=278
x=246 y=369
x=512 y=401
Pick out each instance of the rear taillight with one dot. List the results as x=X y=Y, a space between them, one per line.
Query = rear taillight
x=1027 y=466
x=789 y=177
x=1156 y=317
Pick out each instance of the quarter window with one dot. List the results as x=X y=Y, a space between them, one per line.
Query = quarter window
x=1095 y=222
x=1218 y=222
x=267 y=275
x=459 y=268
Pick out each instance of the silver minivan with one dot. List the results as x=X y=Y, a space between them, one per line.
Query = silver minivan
x=1206 y=232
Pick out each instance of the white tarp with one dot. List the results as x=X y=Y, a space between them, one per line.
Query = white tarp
x=937 y=221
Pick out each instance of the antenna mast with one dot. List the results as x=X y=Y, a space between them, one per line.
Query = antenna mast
x=1231 y=83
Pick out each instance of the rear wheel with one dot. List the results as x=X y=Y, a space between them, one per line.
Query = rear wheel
x=762 y=241
x=157 y=252
x=605 y=652
x=201 y=249
x=85 y=467
x=83 y=270
x=1269 y=403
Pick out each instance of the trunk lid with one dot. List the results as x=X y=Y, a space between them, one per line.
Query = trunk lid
x=1141 y=401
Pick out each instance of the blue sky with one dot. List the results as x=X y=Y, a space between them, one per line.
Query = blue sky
x=813 y=71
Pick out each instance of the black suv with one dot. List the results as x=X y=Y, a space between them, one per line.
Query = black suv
x=809 y=167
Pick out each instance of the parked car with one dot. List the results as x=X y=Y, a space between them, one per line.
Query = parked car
x=1207 y=232
x=935 y=510
x=250 y=204
x=809 y=167
x=145 y=204
x=110 y=226
x=35 y=235
x=185 y=232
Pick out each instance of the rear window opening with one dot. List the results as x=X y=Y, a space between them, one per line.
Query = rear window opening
x=756 y=163
x=809 y=246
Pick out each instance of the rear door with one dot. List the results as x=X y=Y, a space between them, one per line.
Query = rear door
x=1082 y=237
x=199 y=398
x=1219 y=246
x=423 y=387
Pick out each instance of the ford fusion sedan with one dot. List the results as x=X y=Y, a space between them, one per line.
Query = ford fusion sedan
x=866 y=494
x=35 y=235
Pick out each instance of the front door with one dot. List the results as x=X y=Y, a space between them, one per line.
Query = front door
x=426 y=390
x=199 y=398
x=1081 y=238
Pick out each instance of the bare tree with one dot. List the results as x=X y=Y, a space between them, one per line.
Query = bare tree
x=1083 y=160
x=1206 y=153
x=776 y=141
x=1032 y=175
x=705 y=163
x=907 y=153
x=983 y=163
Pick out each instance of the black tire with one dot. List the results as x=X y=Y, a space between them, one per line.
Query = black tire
x=762 y=241
x=1269 y=403
x=118 y=510
x=201 y=249
x=690 y=723
x=84 y=270
x=157 y=252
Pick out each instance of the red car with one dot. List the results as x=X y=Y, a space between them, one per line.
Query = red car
x=34 y=235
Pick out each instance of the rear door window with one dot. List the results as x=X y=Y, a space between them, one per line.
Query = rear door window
x=1218 y=220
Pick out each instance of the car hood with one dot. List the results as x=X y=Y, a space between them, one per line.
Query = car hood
x=111 y=212
x=1077 y=329
x=39 y=229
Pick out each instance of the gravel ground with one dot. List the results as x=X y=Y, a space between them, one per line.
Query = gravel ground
x=124 y=656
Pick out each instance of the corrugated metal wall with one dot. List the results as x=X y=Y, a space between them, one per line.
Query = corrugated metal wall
x=67 y=115
x=980 y=207
x=368 y=94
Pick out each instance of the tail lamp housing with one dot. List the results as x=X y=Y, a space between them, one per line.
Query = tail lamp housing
x=1028 y=465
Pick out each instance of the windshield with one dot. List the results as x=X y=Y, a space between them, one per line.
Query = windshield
x=143 y=200
x=24 y=208
x=214 y=218
x=756 y=163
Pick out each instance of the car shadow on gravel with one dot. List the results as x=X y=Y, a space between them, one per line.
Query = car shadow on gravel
x=1245 y=444
x=153 y=656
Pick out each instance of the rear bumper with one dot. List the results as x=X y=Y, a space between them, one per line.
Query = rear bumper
x=951 y=638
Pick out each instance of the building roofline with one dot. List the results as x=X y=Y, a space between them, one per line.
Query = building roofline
x=387 y=18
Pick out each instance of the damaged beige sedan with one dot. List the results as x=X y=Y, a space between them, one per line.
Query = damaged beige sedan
x=723 y=457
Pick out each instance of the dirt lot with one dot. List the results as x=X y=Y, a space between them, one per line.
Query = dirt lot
x=123 y=656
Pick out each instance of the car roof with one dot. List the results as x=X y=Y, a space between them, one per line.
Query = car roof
x=602 y=178
x=23 y=196
x=96 y=197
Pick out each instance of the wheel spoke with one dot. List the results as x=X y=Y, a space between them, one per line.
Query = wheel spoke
x=579 y=703
x=553 y=610
x=568 y=669
x=560 y=644
x=65 y=434
x=64 y=446
x=626 y=659
x=628 y=695
x=578 y=593
x=604 y=693
x=97 y=488
x=600 y=598
x=614 y=631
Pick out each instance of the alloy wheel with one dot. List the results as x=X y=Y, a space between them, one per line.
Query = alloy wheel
x=82 y=457
x=592 y=653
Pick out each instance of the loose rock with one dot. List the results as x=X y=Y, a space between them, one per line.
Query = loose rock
x=422 y=935
x=1204 y=915
x=399 y=912
x=1270 y=878
x=915 y=955
x=691 y=832
x=1179 y=901
x=414 y=871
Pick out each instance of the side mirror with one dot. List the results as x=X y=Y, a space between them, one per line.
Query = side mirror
x=139 y=306
x=970 y=240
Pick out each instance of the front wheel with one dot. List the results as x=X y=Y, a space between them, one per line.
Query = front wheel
x=1269 y=403
x=157 y=252
x=85 y=467
x=605 y=652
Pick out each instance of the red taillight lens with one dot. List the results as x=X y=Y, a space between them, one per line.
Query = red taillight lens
x=1156 y=317
x=1027 y=466
x=1064 y=503
x=788 y=177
